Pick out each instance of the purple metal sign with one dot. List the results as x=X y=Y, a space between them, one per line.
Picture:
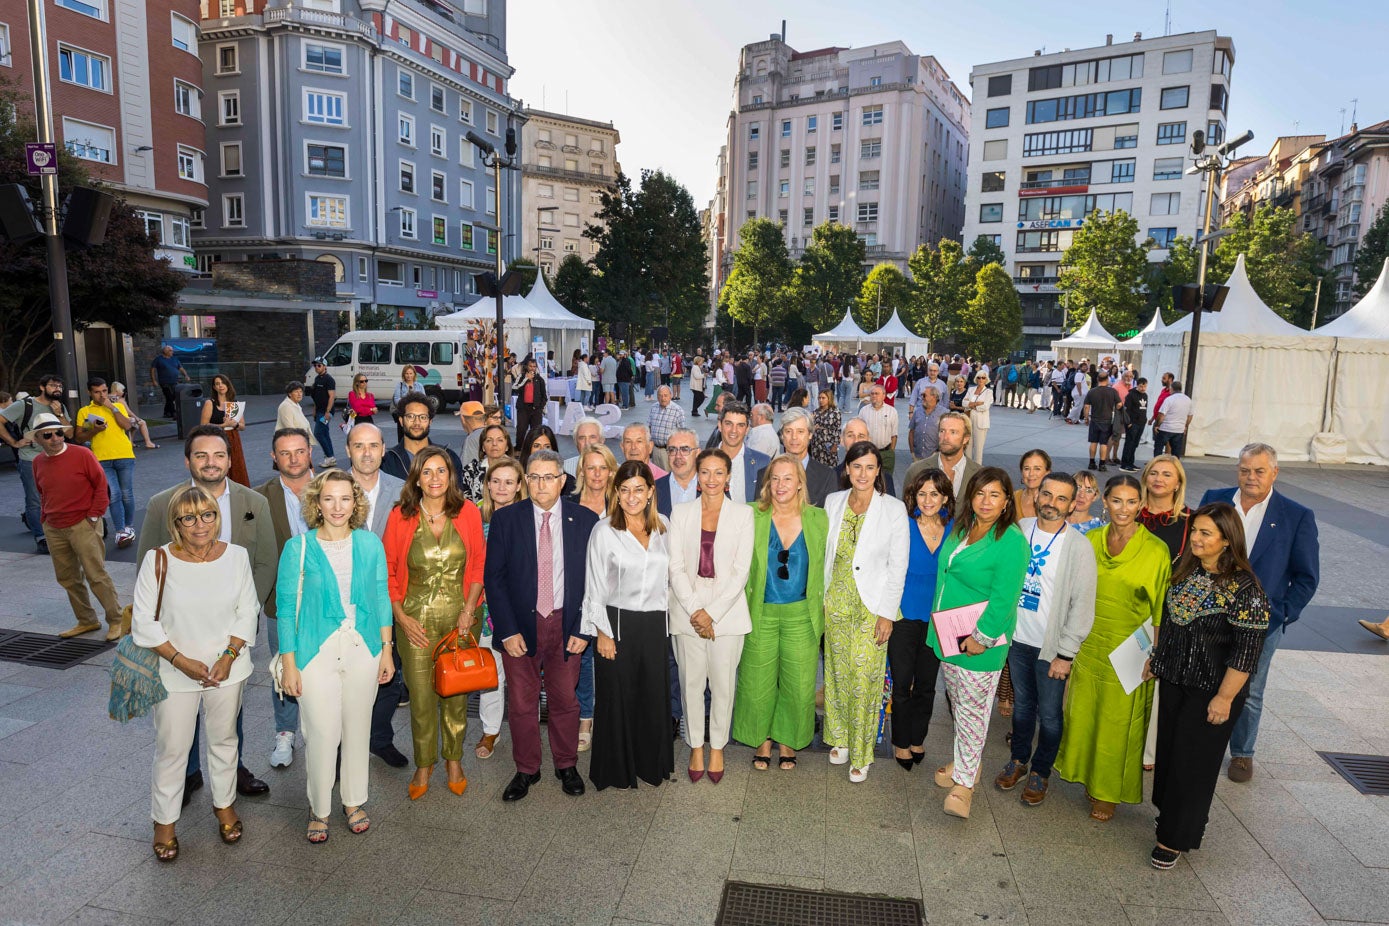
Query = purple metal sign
x=41 y=158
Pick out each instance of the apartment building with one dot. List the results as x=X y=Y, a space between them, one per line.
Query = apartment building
x=567 y=164
x=127 y=88
x=875 y=138
x=336 y=132
x=1059 y=136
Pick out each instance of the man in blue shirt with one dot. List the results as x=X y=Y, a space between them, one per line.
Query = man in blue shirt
x=166 y=373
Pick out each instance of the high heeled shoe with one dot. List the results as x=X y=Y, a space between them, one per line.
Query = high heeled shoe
x=716 y=777
x=696 y=774
x=417 y=791
x=459 y=786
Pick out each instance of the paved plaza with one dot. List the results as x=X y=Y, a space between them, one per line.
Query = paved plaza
x=1297 y=845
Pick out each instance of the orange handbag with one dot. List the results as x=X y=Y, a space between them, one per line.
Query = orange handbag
x=459 y=670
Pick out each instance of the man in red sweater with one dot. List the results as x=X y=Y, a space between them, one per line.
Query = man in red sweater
x=73 y=497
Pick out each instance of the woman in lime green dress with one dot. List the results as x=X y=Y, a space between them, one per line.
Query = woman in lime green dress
x=1102 y=742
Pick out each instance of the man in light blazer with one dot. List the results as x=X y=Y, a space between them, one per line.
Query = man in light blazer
x=747 y=463
x=246 y=523
x=365 y=448
x=535 y=623
x=1281 y=540
x=820 y=480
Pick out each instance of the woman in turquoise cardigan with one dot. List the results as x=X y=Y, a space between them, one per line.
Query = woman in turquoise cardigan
x=775 y=696
x=983 y=559
x=336 y=635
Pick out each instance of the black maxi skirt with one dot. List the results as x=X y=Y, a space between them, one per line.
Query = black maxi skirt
x=631 y=709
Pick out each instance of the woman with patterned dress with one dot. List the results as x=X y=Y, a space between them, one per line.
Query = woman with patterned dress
x=1102 y=743
x=824 y=440
x=1165 y=514
x=225 y=412
x=865 y=569
x=495 y=445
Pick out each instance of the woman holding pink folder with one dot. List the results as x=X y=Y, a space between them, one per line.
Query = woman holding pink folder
x=983 y=560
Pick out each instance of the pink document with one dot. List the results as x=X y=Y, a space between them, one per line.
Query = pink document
x=953 y=624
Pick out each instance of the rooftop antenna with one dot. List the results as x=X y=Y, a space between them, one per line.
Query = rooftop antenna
x=1297 y=125
x=783 y=32
x=1167 y=21
x=1354 y=107
x=1343 y=121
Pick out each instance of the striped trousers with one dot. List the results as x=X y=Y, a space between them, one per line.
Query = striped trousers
x=972 y=696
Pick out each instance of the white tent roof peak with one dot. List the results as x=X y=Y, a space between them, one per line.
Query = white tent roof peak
x=1157 y=324
x=541 y=297
x=895 y=330
x=1368 y=318
x=1243 y=313
x=846 y=330
x=1090 y=334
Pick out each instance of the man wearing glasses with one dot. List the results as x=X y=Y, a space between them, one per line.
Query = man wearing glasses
x=73 y=497
x=680 y=484
x=415 y=411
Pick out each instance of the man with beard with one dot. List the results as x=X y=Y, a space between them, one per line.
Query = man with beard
x=246 y=522
x=415 y=411
x=19 y=417
x=953 y=438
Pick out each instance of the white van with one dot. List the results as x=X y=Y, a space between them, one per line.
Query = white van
x=437 y=356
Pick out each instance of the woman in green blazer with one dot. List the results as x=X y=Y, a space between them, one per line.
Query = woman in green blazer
x=775 y=699
x=984 y=558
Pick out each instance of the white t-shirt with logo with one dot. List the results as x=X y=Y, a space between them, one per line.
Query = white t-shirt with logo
x=1034 y=604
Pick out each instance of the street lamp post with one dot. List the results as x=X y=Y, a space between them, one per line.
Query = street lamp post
x=493 y=158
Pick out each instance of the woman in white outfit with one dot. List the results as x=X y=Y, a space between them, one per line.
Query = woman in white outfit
x=710 y=555
x=977 y=402
x=506 y=483
x=336 y=635
x=203 y=642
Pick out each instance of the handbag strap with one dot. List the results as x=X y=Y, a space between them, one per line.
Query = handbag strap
x=447 y=644
x=161 y=569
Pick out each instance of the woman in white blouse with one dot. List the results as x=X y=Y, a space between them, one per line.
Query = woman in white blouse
x=977 y=402
x=203 y=642
x=625 y=598
x=710 y=555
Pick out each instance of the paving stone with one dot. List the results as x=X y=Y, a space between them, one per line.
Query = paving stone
x=438 y=908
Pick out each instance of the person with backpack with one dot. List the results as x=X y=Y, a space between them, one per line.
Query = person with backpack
x=18 y=418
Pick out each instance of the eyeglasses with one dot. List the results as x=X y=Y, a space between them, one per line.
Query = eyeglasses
x=783 y=571
x=188 y=520
x=672 y=450
x=543 y=479
x=424 y=417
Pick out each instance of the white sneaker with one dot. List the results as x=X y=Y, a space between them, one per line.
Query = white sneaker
x=283 y=753
x=330 y=462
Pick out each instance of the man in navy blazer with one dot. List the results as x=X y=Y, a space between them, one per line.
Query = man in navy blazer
x=1281 y=541
x=531 y=641
x=747 y=463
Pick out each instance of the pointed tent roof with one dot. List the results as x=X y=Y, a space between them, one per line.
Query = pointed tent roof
x=895 y=330
x=1157 y=324
x=1368 y=318
x=847 y=330
x=1091 y=335
x=514 y=308
x=1243 y=313
x=542 y=299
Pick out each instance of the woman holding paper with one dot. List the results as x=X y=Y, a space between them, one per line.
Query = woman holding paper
x=1102 y=743
x=982 y=561
x=1214 y=620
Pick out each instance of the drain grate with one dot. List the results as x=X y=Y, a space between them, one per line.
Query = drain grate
x=47 y=651
x=1367 y=774
x=766 y=905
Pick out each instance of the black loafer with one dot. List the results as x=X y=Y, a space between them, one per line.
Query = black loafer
x=570 y=780
x=193 y=782
x=391 y=756
x=519 y=786
x=248 y=785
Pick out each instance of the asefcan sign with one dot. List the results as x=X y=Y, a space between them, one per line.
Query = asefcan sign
x=1051 y=223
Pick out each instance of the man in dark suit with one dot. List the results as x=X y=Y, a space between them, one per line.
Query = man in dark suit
x=681 y=484
x=1281 y=541
x=747 y=463
x=246 y=523
x=534 y=576
x=820 y=480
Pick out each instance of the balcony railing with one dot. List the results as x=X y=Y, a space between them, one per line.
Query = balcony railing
x=1033 y=281
x=321 y=19
x=1039 y=249
x=575 y=175
x=1048 y=184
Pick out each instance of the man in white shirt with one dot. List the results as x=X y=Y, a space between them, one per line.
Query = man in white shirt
x=883 y=425
x=681 y=484
x=762 y=436
x=1171 y=422
x=1055 y=613
x=952 y=439
x=587 y=433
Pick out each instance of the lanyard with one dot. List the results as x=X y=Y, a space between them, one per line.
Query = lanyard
x=1049 y=542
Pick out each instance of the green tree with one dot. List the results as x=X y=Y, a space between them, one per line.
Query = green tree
x=944 y=280
x=1373 y=249
x=756 y=292
x=1180 y=268
x=984 y=251
x=991 y=322
x=1105 y=270
x=120 y=282
x=1283 y=264
x=828 y=276
x=885 y=289
x=526 y=269
x=573 y=283
x=379 y=319
x=651 y=257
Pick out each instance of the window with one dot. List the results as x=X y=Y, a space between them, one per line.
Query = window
x=89 y=142
x=5 y=58
x=438 y=142
x=405 y=84
x=756 y=98
x=996 y=118
x=1040 y=241
x=993 y=182
x=1222 y=62
x=869 y=239
x=228 y=59
x=810 y=156
x=436 y=187
x=1126 y=136
x=390 y=273
x=231 y=159
x=154 y=225
x=872 y=115
x=1048 y=143
x=188 y=100
x=327 y=211
x=547 y=243
x=1175 y=98
x=834 y=184
x=491 y=242
x=1177 y=62
x=781 y=217
x=465 y=236
x=752 y=188
x=229 y=107
x=93 y=8
x=436 y=98
x=489 y=206
x=466 y=152
x=870 y=148
x=991 y=212
x=836 y=121
x=465 y=194
x=1094 y=71
x=571 y=164
x=545 y=191
x=185 y=34
x=1122 y=171
x=868 y=180
x=832 y=214
x=465 y=110
x=996 y=150
x=233 y=210
x=199 y=218
x=84 y=68
x=1215 y=133
x=439 y=230
x=808 y=187
x=180 y=231
x=324 y=108
x=875 y=81
x=326 y=160
x=754 y=131
x=492 y=124
x=811 y=122
x=407 y=177
x=1162 y=237
x=374 y=352
x=834 y=154
x=750 y=215
x=1085 y=106
x=190 y=164
x=785 y=157
x=571 y=194
x=1220 y=97
x=226 y=8
x=325 y=59
x=808 y=216
x=1171 y=133
x=784 y=189
x=405 y=132
x=1166 y=204
x=1002 y=85
x=1167 y=169
x=868 y=212
x=786 y=128
x=571 y=246
x=407 y=223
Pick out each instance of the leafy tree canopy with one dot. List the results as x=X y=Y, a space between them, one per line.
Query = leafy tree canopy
x=1105 y=270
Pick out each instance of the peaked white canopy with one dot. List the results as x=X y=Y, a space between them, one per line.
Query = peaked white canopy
x=896 y=332
x=1089 y=336
x=1243 y=313
x=1368 y=318
x=1157 y=324
x=846 y=332
x=542 y=299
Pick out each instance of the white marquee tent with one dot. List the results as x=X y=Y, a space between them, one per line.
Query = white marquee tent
x=846 y=332
x=527 y=317
x=1357 y=410
x=1258 y=377
x=895 y=332
x=1087 y=340
x=1132 y=349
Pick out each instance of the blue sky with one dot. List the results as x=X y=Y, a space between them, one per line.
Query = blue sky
x=662 y=70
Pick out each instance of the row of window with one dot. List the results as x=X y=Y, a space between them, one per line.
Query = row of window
x=1048 y=208
x=868 y=116
x=438 y=188
x=570 y=194
x=569 y=245
x=1119 y=171
x=545 y=137
x=180 y=229
x=1103 y=70
x=1055 y=240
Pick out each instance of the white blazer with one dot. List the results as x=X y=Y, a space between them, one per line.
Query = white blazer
x=880 y=559
x=722 y=596
x=979 y=417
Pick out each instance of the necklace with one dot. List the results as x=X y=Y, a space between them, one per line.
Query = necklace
x=203 y=558
x=431 y=517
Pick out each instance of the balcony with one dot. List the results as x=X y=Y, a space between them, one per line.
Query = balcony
x=598 y=154
x=576 y=176
x=570 y=149
x=1050 y=184
x=321 y=19
x=1039 y=249
x=1035 y=281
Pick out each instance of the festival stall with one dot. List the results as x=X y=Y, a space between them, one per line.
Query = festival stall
x=1131 y=351
x=894 y=333
x=1089 y=342
x=1357 y=413
x=846 y=334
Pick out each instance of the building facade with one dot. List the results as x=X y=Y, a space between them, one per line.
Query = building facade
x=875 y=138
x=566 y=165
x=1057 y=137
x=336 y=132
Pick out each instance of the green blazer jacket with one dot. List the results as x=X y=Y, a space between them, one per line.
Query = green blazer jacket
x=992 y=570
x=815 y=524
